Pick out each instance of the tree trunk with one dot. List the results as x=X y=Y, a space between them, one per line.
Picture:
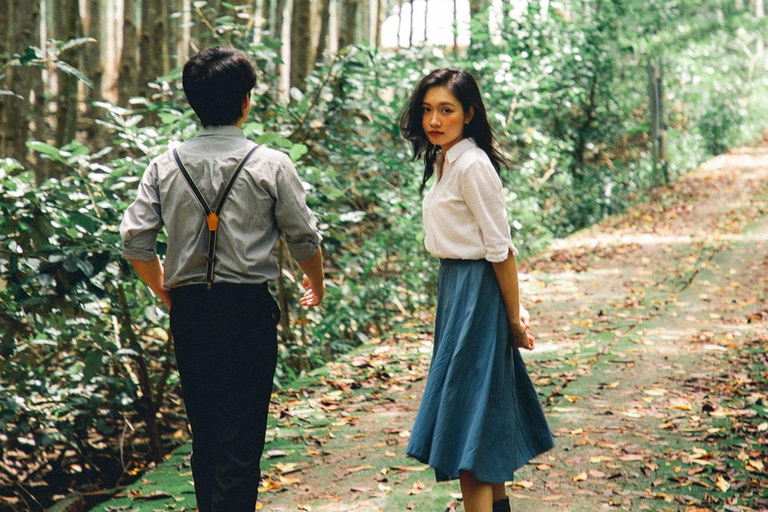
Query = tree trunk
x=399 y=22
x=333 y=26
x=760 y=8
x=279 y=6
x=258 y=15
x=365 y=24
x=68 y=27
x=373 y=22
x=185 y=45
x=285 y=51
x=325 y=21
x=301 y=42
x=153 y=41
x=6 y=14
x=455 y=25
x=128 y=83
x=23 y=31
x=94 y=67
x=382 y=15
x=410 y=24
x=348 y=23
x=475 y=6
x=172 y=34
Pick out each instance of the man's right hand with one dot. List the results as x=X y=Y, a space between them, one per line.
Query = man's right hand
x=314 y=295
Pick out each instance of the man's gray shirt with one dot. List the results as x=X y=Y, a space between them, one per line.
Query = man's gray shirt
x=266 y=199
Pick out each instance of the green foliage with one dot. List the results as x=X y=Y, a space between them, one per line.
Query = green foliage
x=74 y=356
x=41 y=57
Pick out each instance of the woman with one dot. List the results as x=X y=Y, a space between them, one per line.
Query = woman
x=480 y=418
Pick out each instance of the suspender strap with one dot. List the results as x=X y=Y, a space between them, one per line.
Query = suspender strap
x=211 y=217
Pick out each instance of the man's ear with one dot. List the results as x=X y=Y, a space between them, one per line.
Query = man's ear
x=469 y=115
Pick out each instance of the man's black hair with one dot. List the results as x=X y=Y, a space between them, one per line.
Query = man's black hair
x=216 y=81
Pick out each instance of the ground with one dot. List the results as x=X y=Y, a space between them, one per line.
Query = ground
x=650 y=362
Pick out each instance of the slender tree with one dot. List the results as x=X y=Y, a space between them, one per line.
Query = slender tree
x=153 y=49
x=42 y=128
x=68 y=26
x=410 y=24
x=278 y=7
x=382 y=15
x=93 y=63
x=348 y=23
x=301 y=42
x=363 y=25
x=22 y=31
x=475 y=6
x=325 y=22
x=455 y=25
x=128 y=84
x=6 y=15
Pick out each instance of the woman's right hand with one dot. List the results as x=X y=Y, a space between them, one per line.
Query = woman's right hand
x=520 y=337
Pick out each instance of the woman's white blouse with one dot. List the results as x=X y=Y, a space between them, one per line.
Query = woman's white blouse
x=464 y=212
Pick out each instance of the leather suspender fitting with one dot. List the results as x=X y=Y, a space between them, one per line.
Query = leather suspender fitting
x=211 y=217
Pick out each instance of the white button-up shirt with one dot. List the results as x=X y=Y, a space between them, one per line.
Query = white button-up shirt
x=464 y=212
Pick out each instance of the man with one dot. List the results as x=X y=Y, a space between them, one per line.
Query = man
x=224 y=202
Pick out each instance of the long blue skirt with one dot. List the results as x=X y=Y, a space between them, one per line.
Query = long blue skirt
x=480 y=411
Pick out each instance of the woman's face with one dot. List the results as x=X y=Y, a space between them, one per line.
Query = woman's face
x=444 y=118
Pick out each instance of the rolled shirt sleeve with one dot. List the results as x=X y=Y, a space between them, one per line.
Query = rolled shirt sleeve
x=294 y=218
x=142 y=220
x=484 y=196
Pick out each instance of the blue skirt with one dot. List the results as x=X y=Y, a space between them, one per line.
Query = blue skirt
x=480 y=411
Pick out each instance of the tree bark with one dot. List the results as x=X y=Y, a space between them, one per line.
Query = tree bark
x=6 y=14
x=365 y=24
x=69 y=26
x=475 y=6
x=348 y=23
x=153 y=41
x=325 y=21
x=279 y=6
x=399 y=22
x=410 y=24
x=382 y=10
x=172 y=34
x=301 y=42
x=23 y=31
x=455 y=25
x=94 y=66
x=128 y=84
x=285 y=51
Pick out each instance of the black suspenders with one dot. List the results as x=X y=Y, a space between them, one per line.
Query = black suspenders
x=211 y=217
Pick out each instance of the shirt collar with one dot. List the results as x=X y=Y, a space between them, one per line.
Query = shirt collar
x=225 y=130
x=459 y=148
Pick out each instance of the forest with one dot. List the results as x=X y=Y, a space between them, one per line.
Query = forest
x=594 y=103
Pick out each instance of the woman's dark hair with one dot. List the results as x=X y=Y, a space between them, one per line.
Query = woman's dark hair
x=216 y=81
x=462 y=85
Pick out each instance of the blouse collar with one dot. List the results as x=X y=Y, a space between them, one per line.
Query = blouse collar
x=459 y=148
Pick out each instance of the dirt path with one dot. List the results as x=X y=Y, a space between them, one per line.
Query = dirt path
x=651 y=328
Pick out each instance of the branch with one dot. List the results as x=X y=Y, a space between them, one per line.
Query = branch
x=316 y=97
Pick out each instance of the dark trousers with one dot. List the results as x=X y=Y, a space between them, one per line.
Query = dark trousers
x=226 y=351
